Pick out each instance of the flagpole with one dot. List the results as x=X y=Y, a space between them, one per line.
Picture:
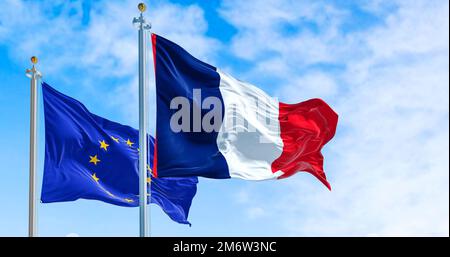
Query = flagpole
x=34 y=75
x=143 y=27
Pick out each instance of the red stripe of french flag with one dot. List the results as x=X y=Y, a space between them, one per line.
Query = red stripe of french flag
x=305 y=128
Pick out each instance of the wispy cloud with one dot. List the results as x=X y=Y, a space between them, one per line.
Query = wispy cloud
x=92 y=48
x=388 y=81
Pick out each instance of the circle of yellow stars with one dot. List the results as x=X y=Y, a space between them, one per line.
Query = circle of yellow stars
x=95 y=160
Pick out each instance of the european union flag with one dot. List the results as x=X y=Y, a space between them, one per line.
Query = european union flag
x=87 y=156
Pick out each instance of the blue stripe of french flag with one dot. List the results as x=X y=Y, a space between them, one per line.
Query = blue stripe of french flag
x=212 y=125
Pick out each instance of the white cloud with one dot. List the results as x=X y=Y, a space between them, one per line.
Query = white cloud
x=309 y=85
x=388 y=164
x=274 y=24
x=26 y=27
x=102 y=50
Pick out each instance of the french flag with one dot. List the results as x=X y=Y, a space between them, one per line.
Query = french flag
x=212 y=125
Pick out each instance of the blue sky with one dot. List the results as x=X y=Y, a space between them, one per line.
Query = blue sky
x=382 y=65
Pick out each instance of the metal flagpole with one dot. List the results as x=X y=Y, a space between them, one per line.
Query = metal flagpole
x=34 y=75
x=143 y=27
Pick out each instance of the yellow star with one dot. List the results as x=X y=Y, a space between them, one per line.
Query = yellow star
x=94 y=159
x=149 y=179
x=129 y=143
x=115 y=139
x=94 y=177
x=103 y=145
x=128 y=200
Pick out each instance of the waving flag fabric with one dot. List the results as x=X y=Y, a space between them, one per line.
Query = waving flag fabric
x=220 y=127
x=87 y=156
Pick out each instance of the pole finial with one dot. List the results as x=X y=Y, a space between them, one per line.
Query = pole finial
x=142 y=7
x=34 y=59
